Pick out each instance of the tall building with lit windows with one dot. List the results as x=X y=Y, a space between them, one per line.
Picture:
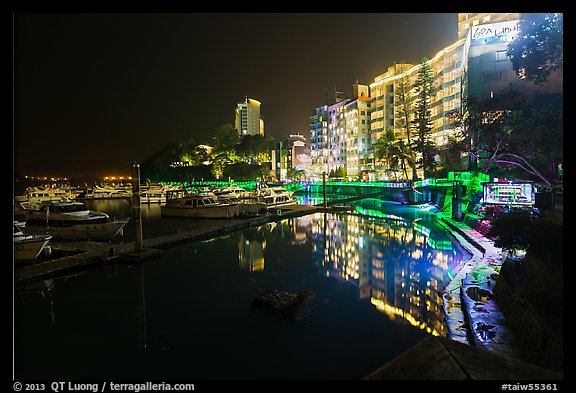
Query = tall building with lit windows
x=447 y=68
x=476 y=64
x=247 y=120
x=340 y=133
x=468 y=20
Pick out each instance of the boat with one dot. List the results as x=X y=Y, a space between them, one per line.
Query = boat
x=42 y=194
x=197 y=205
x=28 y=247
x=248 y=205
x=154 y=193
x=231 y=192
x=22 y=209
x=72 y=220
x=106 y=192
x=275 y=197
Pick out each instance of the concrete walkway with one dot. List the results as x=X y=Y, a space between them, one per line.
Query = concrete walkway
x=472 y=314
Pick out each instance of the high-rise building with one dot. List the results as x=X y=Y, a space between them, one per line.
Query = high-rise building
x=289 y=153
x=468 y=20
x=247 y=120
x=388 y=113
x=475 y=64
x=488 y=68
x=340 y=133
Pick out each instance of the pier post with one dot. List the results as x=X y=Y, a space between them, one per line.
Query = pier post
x=324 y=188
x=136 y=213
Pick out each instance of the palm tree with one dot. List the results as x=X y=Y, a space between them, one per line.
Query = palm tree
x=383 y=149
x=402 y=153
x=395 y=152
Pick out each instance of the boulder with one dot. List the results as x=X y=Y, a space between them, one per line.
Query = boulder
x=278 y=302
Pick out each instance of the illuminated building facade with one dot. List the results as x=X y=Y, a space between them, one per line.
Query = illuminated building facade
x=289 y=153
x=247 y=120
x=447 y=68
x=340 y=133
x=468 y=20
x=476 y=64
x=489 y=70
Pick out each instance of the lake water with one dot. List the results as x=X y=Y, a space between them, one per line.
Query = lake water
x=374 y=278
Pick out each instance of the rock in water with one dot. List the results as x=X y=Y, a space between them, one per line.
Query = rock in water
x=278 y=302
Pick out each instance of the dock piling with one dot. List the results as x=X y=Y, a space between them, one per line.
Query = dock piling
x=324 y=189
x=136 y=212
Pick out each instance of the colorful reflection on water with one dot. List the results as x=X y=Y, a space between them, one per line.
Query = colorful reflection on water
x=375 y=276
x=401 y=265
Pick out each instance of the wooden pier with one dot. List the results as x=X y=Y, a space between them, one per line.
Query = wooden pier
x=84 y=254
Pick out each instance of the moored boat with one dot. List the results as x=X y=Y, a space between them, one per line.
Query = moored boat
x=72 y=220
x=43 y=194
x=197 y=205
x=106 y=192
x=29 y=247
x=275 y=197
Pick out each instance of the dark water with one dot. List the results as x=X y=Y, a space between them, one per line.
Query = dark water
x=374 y=293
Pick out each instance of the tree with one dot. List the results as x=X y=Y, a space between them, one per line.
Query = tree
x=421 y=123
x=538 y=50
x=392 y=148
x=507 y=132
x=255 y=148
x=451 y=154
x=296 y=174
x=403 y=108
x=383 y=149
x=226 y=137
x=198 y=155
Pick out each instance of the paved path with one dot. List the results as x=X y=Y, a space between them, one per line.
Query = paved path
x=472 y=288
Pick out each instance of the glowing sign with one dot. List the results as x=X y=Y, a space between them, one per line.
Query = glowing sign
x=495 y=32
x=509 y=193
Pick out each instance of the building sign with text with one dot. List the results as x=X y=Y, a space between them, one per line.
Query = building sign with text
x=494 y=33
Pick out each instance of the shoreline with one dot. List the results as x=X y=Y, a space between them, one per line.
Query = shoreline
x=472 y=314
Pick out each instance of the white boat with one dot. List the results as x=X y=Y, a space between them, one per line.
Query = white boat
x=248 y=204
x=202 y=205
x=275 y=197
x=231 y=192
x=72 y=220
x=43 y=194
x=28 y=247
x=22 y=210
x=106 y=192
x=153 y=194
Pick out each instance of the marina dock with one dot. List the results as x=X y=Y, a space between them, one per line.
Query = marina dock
x=87 y=253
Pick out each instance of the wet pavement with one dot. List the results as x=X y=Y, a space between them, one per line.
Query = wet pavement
x=472 y=314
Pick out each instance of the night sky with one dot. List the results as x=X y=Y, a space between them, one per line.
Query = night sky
x=95 y=92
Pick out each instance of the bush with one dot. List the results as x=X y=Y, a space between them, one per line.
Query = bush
x=546 y=238
x=542 y=237
x=507 y=230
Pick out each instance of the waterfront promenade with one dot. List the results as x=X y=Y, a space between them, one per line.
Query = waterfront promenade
x=472 y=314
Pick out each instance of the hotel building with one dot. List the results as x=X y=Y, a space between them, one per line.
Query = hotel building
x=247 y=120
x=340 y=133
x=476 y=64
